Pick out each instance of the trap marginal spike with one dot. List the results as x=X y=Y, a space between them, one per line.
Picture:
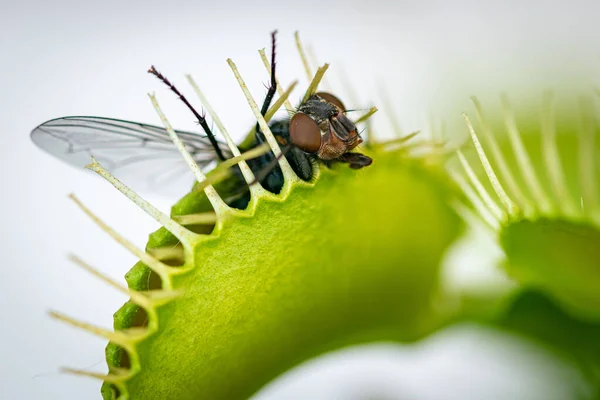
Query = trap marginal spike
x=347 y=84
x=314 y=84
x=365 y=119
x=137 y=297
x=221 y=209
x=167 y=253
x=265 y=60
x=303 y=57
x=256 y=190
x=113 y=378
x=430 y=151
x=552 y=158
x=467 y=214
x=162 y=270
x=223 y=170
x=288 y=173
x=443 y=131
x=161 y=297
x=433 y=127
x=370 y=138
x=389 y=110
x=186 y=237
x=199 y=218
x=587 y=174
x=476 y=201
x=509 y=206
x=501 y=162
x=201 y=120
x=485 y=196
x=280 y=100
x=523 y=160
x=315 y=64
x=142 y=299
x=367 y=115
x=125 y=339
x=273 y=109
x=248 y=155
x=397 y=141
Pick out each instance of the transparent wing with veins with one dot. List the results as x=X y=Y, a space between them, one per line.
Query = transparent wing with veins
x=141 y=155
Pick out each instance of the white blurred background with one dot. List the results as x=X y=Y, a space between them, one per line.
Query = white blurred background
x=63 y=58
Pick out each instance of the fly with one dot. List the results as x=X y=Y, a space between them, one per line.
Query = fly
x=318 y=131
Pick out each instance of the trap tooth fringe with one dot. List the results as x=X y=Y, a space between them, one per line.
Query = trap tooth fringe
x=548 y=226
x=127 y=340
x=514 y=203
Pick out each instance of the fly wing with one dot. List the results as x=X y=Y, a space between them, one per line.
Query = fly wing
x=141 y=155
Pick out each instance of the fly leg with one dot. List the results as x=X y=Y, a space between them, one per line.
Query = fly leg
x=355 y=160
x=272 y=89
x=241 y=201
x=266 y=168
x=201 y=119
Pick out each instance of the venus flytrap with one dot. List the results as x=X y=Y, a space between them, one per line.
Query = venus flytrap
x=302 y=53
x=224 y=300
x=288 y=294
x=551 y=244
x=550 y=241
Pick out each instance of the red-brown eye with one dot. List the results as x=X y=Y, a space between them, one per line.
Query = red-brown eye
x=332 y=99
x=305 y=133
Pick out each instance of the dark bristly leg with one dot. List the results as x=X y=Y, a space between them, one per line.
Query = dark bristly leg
x=356 y=160
x=273 y=87
x=266 y=168
x=201 y=119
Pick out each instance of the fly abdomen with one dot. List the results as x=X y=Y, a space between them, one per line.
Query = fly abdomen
x=266 y=168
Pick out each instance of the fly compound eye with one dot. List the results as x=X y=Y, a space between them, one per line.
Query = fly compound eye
x=305 y=133
x=332 y=99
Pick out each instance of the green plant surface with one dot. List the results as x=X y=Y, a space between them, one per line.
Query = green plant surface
x=352 y=258
x=559 y=257
x=536 y=316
